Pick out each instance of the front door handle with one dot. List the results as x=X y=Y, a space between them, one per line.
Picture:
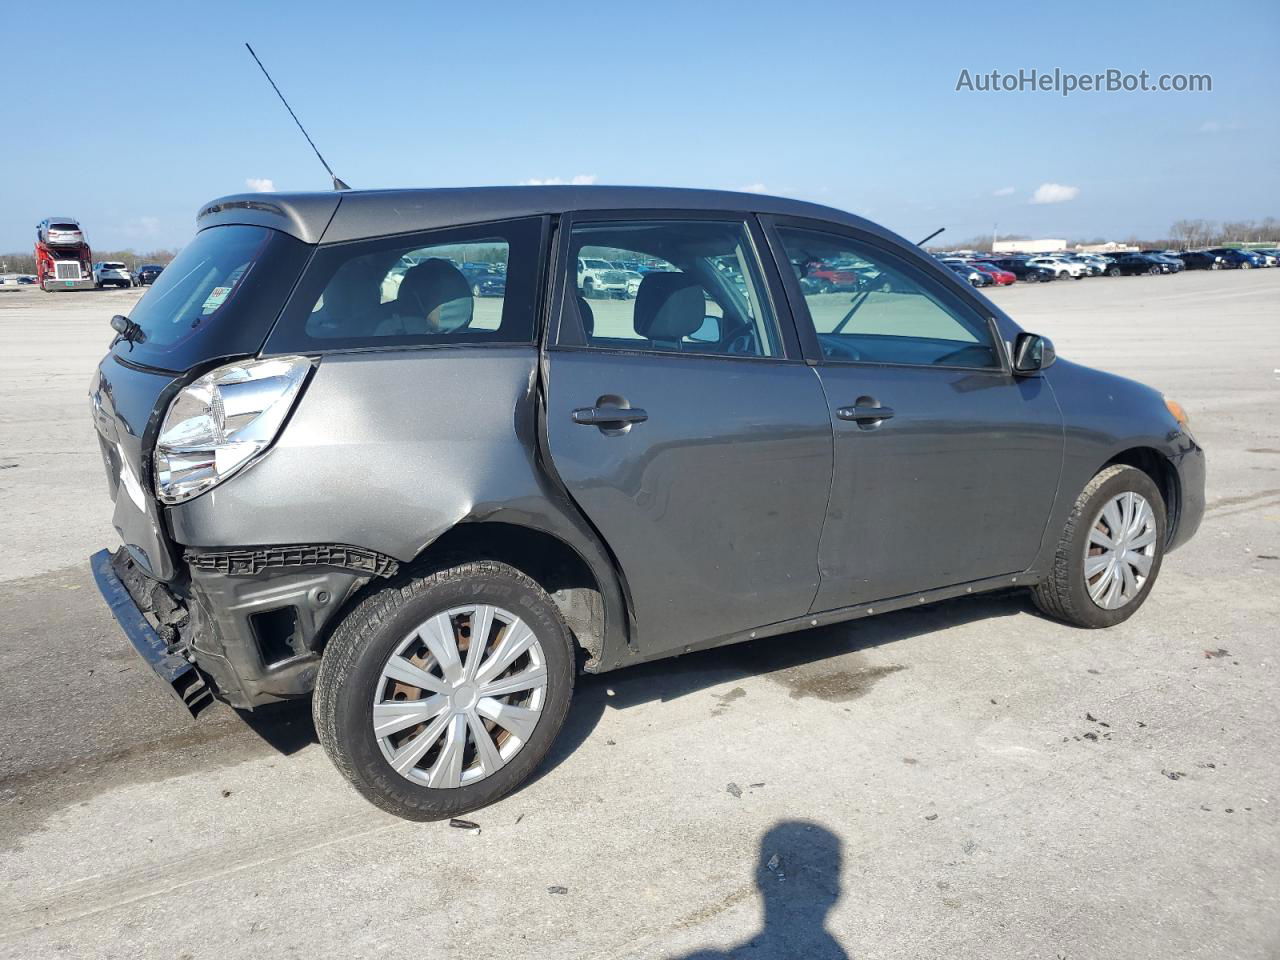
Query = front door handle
x=608 y=416
x=865 y=414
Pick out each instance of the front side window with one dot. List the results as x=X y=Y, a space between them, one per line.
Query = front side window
x=686 y=286
x=472 y=285
x=869 y=306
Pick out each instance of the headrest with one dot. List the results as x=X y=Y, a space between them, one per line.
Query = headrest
x=588 y=317
x=437 y=292
x=669 y=306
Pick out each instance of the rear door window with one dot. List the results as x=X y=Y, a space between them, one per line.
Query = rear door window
x=470 y=285
x=671 y=286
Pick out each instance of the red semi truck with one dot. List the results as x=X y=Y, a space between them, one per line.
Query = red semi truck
x=63 y=259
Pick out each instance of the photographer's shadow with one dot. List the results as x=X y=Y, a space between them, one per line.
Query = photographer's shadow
x=799 y=888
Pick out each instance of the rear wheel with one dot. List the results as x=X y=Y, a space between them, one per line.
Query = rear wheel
x=1113 y=272
x=442 y=694
x=1110 y=552
x=588 y=288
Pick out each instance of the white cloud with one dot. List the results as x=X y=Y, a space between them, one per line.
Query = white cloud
x=1054 y=193
x=1003 y=192
x=577 y=180
x=260 y=184
x=754 y=188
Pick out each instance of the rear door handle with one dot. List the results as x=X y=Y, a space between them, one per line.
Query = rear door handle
x=609 y=416
x=863 y=414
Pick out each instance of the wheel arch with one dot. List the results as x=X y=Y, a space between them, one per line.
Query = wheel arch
x=1163 y=474
x=583 y=595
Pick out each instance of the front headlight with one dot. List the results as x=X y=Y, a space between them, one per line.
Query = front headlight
x=221 y=422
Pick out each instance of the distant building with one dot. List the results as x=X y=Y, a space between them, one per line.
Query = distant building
x=1109 y=247
x=1028 y=246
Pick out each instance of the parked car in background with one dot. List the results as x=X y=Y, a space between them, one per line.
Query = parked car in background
x=111 y=273
x=1269 y=257
x=1063 y=268
x=1237 y=259
x=600 y=278
x=1024 y=270
x=833 y=278
x=1201 y=260
x=1091 y=266
x=1001 y=278
x=146 y=274
x=484 y=280
x=972 y=275
x=1168 y=262
x=436 y=541
x=1134 y=264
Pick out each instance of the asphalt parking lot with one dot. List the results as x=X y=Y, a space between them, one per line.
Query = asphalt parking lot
x=962 y=780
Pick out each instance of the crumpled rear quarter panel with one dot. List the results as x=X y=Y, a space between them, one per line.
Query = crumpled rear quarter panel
x=385 y=450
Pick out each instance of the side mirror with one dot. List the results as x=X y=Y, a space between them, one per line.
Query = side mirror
x=1032 y=353
x=709 y=332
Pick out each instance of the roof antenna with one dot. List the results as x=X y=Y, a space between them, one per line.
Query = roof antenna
x=338 y=184
x=920 y=244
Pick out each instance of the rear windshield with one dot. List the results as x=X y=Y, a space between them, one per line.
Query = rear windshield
x=112 y=265
x=218 y=298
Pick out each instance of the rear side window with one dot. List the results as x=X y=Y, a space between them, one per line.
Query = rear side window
x=869 y=306
x=671 y=286
x=471 y=285
x=217 y=298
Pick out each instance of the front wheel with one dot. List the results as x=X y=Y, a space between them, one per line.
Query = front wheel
x=1113 y=272
x=1246 y=265
x=1110 y=552
x=442 y=694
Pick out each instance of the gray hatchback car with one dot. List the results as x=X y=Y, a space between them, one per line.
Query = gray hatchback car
x=336 y=470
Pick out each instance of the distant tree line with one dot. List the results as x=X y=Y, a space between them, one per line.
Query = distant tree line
x=1182 y=235
x=26 y=262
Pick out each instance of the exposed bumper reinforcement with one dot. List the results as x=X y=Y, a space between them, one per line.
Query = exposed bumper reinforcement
x=179 y=676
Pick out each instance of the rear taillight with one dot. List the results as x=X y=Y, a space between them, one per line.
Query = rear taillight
x=222 y=422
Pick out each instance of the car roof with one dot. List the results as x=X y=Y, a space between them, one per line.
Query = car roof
x=334 y=217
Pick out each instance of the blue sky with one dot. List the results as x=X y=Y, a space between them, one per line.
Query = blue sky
x=853 y=105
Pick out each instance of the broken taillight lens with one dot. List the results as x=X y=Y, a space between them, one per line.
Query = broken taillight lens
x=222 y=422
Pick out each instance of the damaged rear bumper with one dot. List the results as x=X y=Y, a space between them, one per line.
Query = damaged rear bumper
x=179 y=675
x=246 y=626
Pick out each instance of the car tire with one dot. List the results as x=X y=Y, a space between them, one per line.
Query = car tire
x=370 y=638
x=1246 y=265
x=588 y=289
x=1065 y=592
x=476 y=291
x=1113 y=272
x=1153 y=270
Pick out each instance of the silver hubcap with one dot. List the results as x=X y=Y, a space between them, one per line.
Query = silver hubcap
x=460 y=696
x=1121 y=548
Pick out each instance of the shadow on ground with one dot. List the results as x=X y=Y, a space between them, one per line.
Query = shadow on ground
x=810 y=662
x=797 y=875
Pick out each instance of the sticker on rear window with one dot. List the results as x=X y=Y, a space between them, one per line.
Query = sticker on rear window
x=214 y=300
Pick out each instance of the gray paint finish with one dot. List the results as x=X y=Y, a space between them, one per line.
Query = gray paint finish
x=741 y=503
x=373 y=213
x=957 y=486
x=714 y=504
